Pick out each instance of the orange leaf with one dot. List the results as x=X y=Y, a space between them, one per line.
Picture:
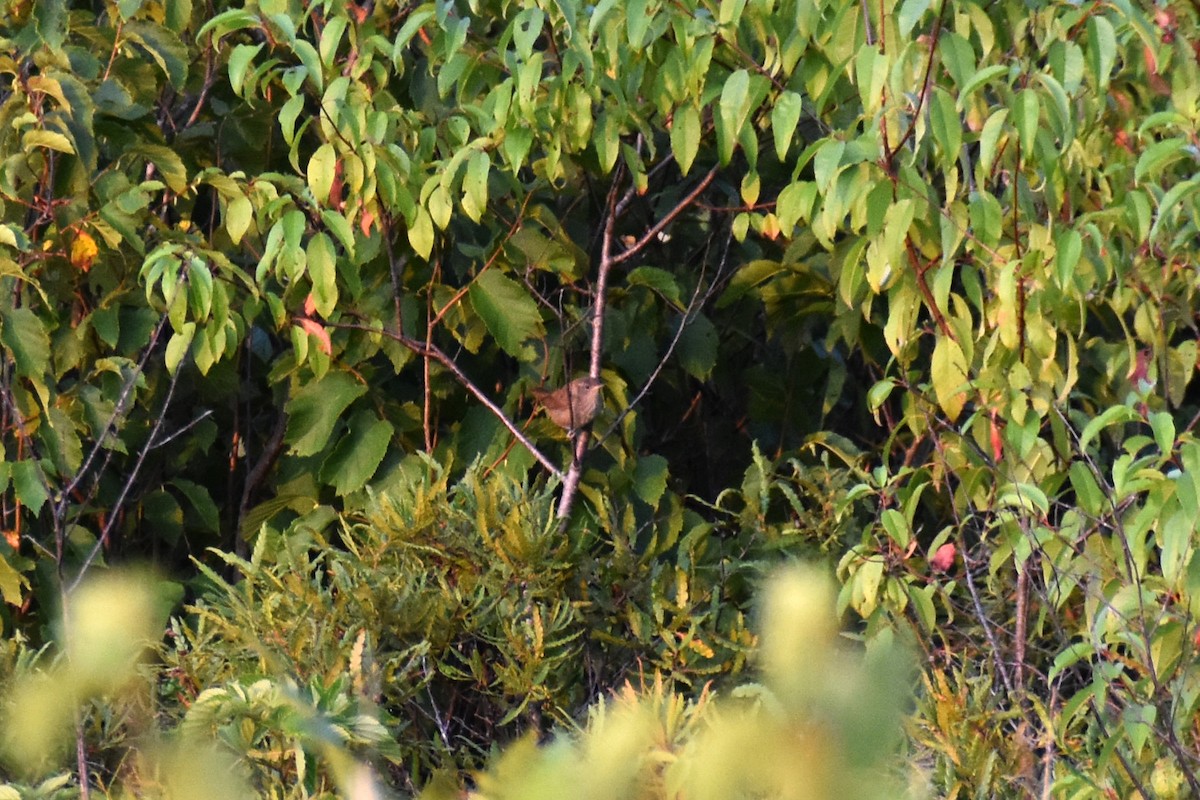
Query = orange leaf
x=314 y=328
x=367 y=220
x=997 y=441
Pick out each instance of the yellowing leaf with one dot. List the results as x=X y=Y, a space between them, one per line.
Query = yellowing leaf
x=321 y=170
x=83 y=252
x=949 y=376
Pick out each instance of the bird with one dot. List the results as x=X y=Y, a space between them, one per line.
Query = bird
x=572 y=406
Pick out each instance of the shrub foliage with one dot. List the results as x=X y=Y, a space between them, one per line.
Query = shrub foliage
x=910 y=287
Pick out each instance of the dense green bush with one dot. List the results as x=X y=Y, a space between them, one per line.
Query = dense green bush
x=824 y=721
x=466 y=616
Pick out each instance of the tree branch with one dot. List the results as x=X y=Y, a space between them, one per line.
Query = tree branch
x=432 y=351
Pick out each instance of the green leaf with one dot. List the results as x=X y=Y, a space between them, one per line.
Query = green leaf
x=160 y=512
x=1114 y=415
x=910 y=14
x=785 y=116
x=1158 y=155
x=979 y=79
x=989 y=137
x=947 y=127
x=179 y=14
x=1163 y=426
x=293 y=224
x=795 y=202
x=1101 y=48
x=106 y=322
x=518 y=139
x=826 y=162
x=660 y=280
x=650 y=479
x=1068 y=248
x=475 y=185
x=201 y=502
x=322 y=270
x=986 y=217
x=607 y=140
x=878 y=394
x=733 y=110
x=871 y=70
x=238 y=215
x=730 y=11
x=11 y=582
x=51 y=140
x=315 y=408
x=949 y=375
x=697 y=347
x=177 y=346
x=331 y=37
x=199 y=288
x=1087 y=491
x=312 y=62
x=526 y=28
x=62 y=443
x=685 y=136
x=357 y=455
x=322 y=168
x=441 y=209
x=79 y=119
x=164 y=47
x=1070 y=656
x=29 y=485
x=168 y=162
x=506 y=308
x=226 y=22
x=412 y=24
x=959 y=57
x=240 y=59
x=24 y=337
x=1027 y=109
x=897 y=527
x=1138 y=721
x=420 y=233
x=339 y=226
x=51 y=19
x=1177 y=535
x=288 y=115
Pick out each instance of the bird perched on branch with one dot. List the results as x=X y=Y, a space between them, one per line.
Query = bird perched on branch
x=574 y=405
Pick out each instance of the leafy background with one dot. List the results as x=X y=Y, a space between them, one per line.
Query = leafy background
x=906 y=288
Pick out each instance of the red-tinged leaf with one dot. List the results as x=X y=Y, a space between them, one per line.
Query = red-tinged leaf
x=943 y=559
x=997 y=440
x=366 y=221
x=316 y=329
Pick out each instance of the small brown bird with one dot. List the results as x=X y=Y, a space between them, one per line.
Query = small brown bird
x=574 y=405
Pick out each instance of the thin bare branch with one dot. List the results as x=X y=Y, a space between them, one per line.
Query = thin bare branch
x=432 y=351
x=667 y=219
x=115 y=512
